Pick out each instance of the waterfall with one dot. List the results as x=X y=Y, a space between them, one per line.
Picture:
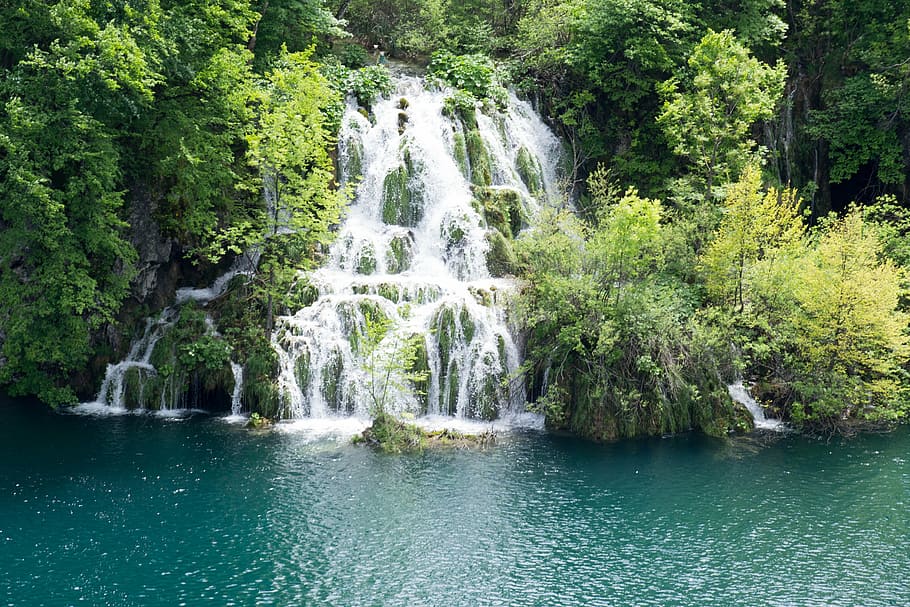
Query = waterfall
x=112 y=388
x=415 y=252
x=740 y=394
x=237 y=371
x=137 y=367
x=424 y=250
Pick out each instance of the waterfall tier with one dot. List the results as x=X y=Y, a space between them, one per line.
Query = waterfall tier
x=424 y=249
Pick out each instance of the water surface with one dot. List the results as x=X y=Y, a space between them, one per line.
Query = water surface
x=139 y=510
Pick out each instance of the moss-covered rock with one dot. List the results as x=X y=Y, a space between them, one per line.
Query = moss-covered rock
x=366 y=259
x=352 y=165
x=450 y=385
x=400 y=204
x=479 y=159
x=302 y=369
x=420 y=368
x=486 y=400
x=502 y=209
x=402 y=122
x=192 y=368
x=331 y=382
x=501 y=258
x=530 y=171
x=260 y=388
x=461 y=154
x=396 y=198
x=392 y=435
x=400 y=251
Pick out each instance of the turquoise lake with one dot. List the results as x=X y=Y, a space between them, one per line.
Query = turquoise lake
x=140 y=510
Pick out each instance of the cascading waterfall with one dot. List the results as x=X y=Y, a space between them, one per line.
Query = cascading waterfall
x=137 y=366
x=740 y=394
x=138 y=360
x=439 y=195
x=415 y=252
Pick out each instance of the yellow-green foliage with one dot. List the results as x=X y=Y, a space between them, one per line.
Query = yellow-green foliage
x=850 y=336
x=756 y=226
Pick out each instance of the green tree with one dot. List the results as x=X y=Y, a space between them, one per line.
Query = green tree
x=708 y=116
x=64 y=265
x=850 y=337
x=290 y=150
x=756 y=226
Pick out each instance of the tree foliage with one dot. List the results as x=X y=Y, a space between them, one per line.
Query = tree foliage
x=709 y=120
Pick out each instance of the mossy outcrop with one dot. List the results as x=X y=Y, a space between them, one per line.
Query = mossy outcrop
x=454 y=328
x=530 y=171
x=502 y=209
x=391 y=435
x=479 y=159
x=402 y=195
x=399 y=253
x=460 y=153
x=501 y=258
x=419 y=368
x=190 y=369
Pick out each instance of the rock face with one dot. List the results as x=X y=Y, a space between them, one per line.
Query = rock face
x=157 y=269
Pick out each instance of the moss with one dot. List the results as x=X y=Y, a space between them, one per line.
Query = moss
x=451 y=382
x=461 y=154
x=392 y=435
x=486 y=400
x=302 y=370
x=353 y=166
x=467 y=324
x=260 y=371
x=301 y=294
x=403 y=103
x=501 y=258
x=529 y=170
x=392 y=292
x=454 y=232
x=366 y=260
x=401 y=205
x=402 y=122
x=468 y=116
x=395 y=196
x=258 y=422
x=479 y=159
x=141 y=389
x=398 y=257
x=331 y=381
x=502 y=209
x=420 y=367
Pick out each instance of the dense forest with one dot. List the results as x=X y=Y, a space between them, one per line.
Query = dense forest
x=738 y=171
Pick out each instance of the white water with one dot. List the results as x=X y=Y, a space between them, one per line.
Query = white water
x=426 y=273
x=111 y=394
x=442 y=293
x=245 y=264
x=110 y=399
x=740 y=394
x=236 y=405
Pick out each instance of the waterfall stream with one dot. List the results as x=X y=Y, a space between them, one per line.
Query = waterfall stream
x=422 y=253
x=740 y=394
x=414 y=252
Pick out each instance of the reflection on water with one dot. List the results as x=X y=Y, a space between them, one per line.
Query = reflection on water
x=137 y=510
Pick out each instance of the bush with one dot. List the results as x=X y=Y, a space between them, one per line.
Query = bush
x=370 y=83
x=472 y=74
